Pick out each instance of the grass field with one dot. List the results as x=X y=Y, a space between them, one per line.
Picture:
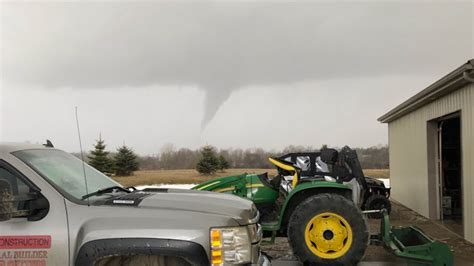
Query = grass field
x=191 y=176
x=377 y=173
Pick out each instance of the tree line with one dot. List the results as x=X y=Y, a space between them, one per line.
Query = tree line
x=171 y=158
x=208 y=159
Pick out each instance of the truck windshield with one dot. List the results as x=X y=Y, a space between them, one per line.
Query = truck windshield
x=65 y=172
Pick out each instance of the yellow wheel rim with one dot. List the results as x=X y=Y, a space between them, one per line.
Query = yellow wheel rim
x=328 y=235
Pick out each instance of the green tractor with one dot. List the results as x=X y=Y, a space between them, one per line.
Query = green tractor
x=319 y=216
x=324 y=214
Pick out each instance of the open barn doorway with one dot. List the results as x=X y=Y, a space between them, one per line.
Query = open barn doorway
x=450 y=172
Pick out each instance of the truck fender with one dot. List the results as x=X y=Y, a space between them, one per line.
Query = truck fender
x=97 y=249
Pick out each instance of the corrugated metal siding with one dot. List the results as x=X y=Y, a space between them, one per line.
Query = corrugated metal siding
x=409 y=154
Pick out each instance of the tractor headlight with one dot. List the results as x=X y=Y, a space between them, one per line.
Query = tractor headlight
x=230 y=245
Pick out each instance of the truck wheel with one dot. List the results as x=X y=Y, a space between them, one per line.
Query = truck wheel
x=377 y=202
x=328 y=229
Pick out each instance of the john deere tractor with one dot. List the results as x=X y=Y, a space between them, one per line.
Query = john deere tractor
x=319 y=216
x=323 y=210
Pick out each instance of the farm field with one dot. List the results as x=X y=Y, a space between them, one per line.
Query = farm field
x=191 y=176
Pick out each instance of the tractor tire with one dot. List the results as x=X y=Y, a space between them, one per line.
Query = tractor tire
x=328 y=229
x=377 y=202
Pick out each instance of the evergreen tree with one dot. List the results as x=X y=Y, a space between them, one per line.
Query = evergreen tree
x=209 y=163
x=99 y=158
x=223 y=163
x=125 y=161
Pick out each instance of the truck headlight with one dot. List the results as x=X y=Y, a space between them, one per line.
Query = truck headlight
x=230 y=245
x=256 y=233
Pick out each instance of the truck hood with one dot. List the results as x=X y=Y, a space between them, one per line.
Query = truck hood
x=241 y=210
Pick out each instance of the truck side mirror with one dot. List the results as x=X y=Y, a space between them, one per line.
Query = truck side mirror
x=6 y=201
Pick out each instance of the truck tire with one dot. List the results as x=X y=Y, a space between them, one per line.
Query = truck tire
x=377 y=202
x=328 y=229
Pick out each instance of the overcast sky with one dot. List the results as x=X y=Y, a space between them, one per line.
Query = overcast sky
x=230 y=74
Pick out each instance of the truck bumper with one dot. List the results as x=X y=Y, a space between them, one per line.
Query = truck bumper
x=264 y=261
x=258 y=257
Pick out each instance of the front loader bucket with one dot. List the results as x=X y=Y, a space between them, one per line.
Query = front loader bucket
x=411 y=244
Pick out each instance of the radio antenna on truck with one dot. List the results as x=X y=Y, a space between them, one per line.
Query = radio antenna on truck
x=82 y=156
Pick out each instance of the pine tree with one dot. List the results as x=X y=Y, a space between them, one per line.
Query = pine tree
x=125 y=161
x=99 y=158
x=209 y=163
x=223 y=163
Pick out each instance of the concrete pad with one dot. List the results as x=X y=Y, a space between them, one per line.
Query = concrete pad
x=457 y=262
x=381 y=263
x=364 y=263
x=286 y=263
x=463 y=262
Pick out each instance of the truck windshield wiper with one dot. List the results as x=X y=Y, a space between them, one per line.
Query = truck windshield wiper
x=105 y=190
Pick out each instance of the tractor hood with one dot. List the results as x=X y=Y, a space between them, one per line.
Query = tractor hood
x=241 y=210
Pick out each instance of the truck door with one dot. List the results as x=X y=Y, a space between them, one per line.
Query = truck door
x=36 y=231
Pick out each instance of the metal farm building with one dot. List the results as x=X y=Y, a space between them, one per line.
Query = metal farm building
x=431 y=138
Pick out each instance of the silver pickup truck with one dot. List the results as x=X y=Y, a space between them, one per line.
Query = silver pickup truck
x=55 y=210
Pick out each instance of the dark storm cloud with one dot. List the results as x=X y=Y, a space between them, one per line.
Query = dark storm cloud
x=221 y=47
